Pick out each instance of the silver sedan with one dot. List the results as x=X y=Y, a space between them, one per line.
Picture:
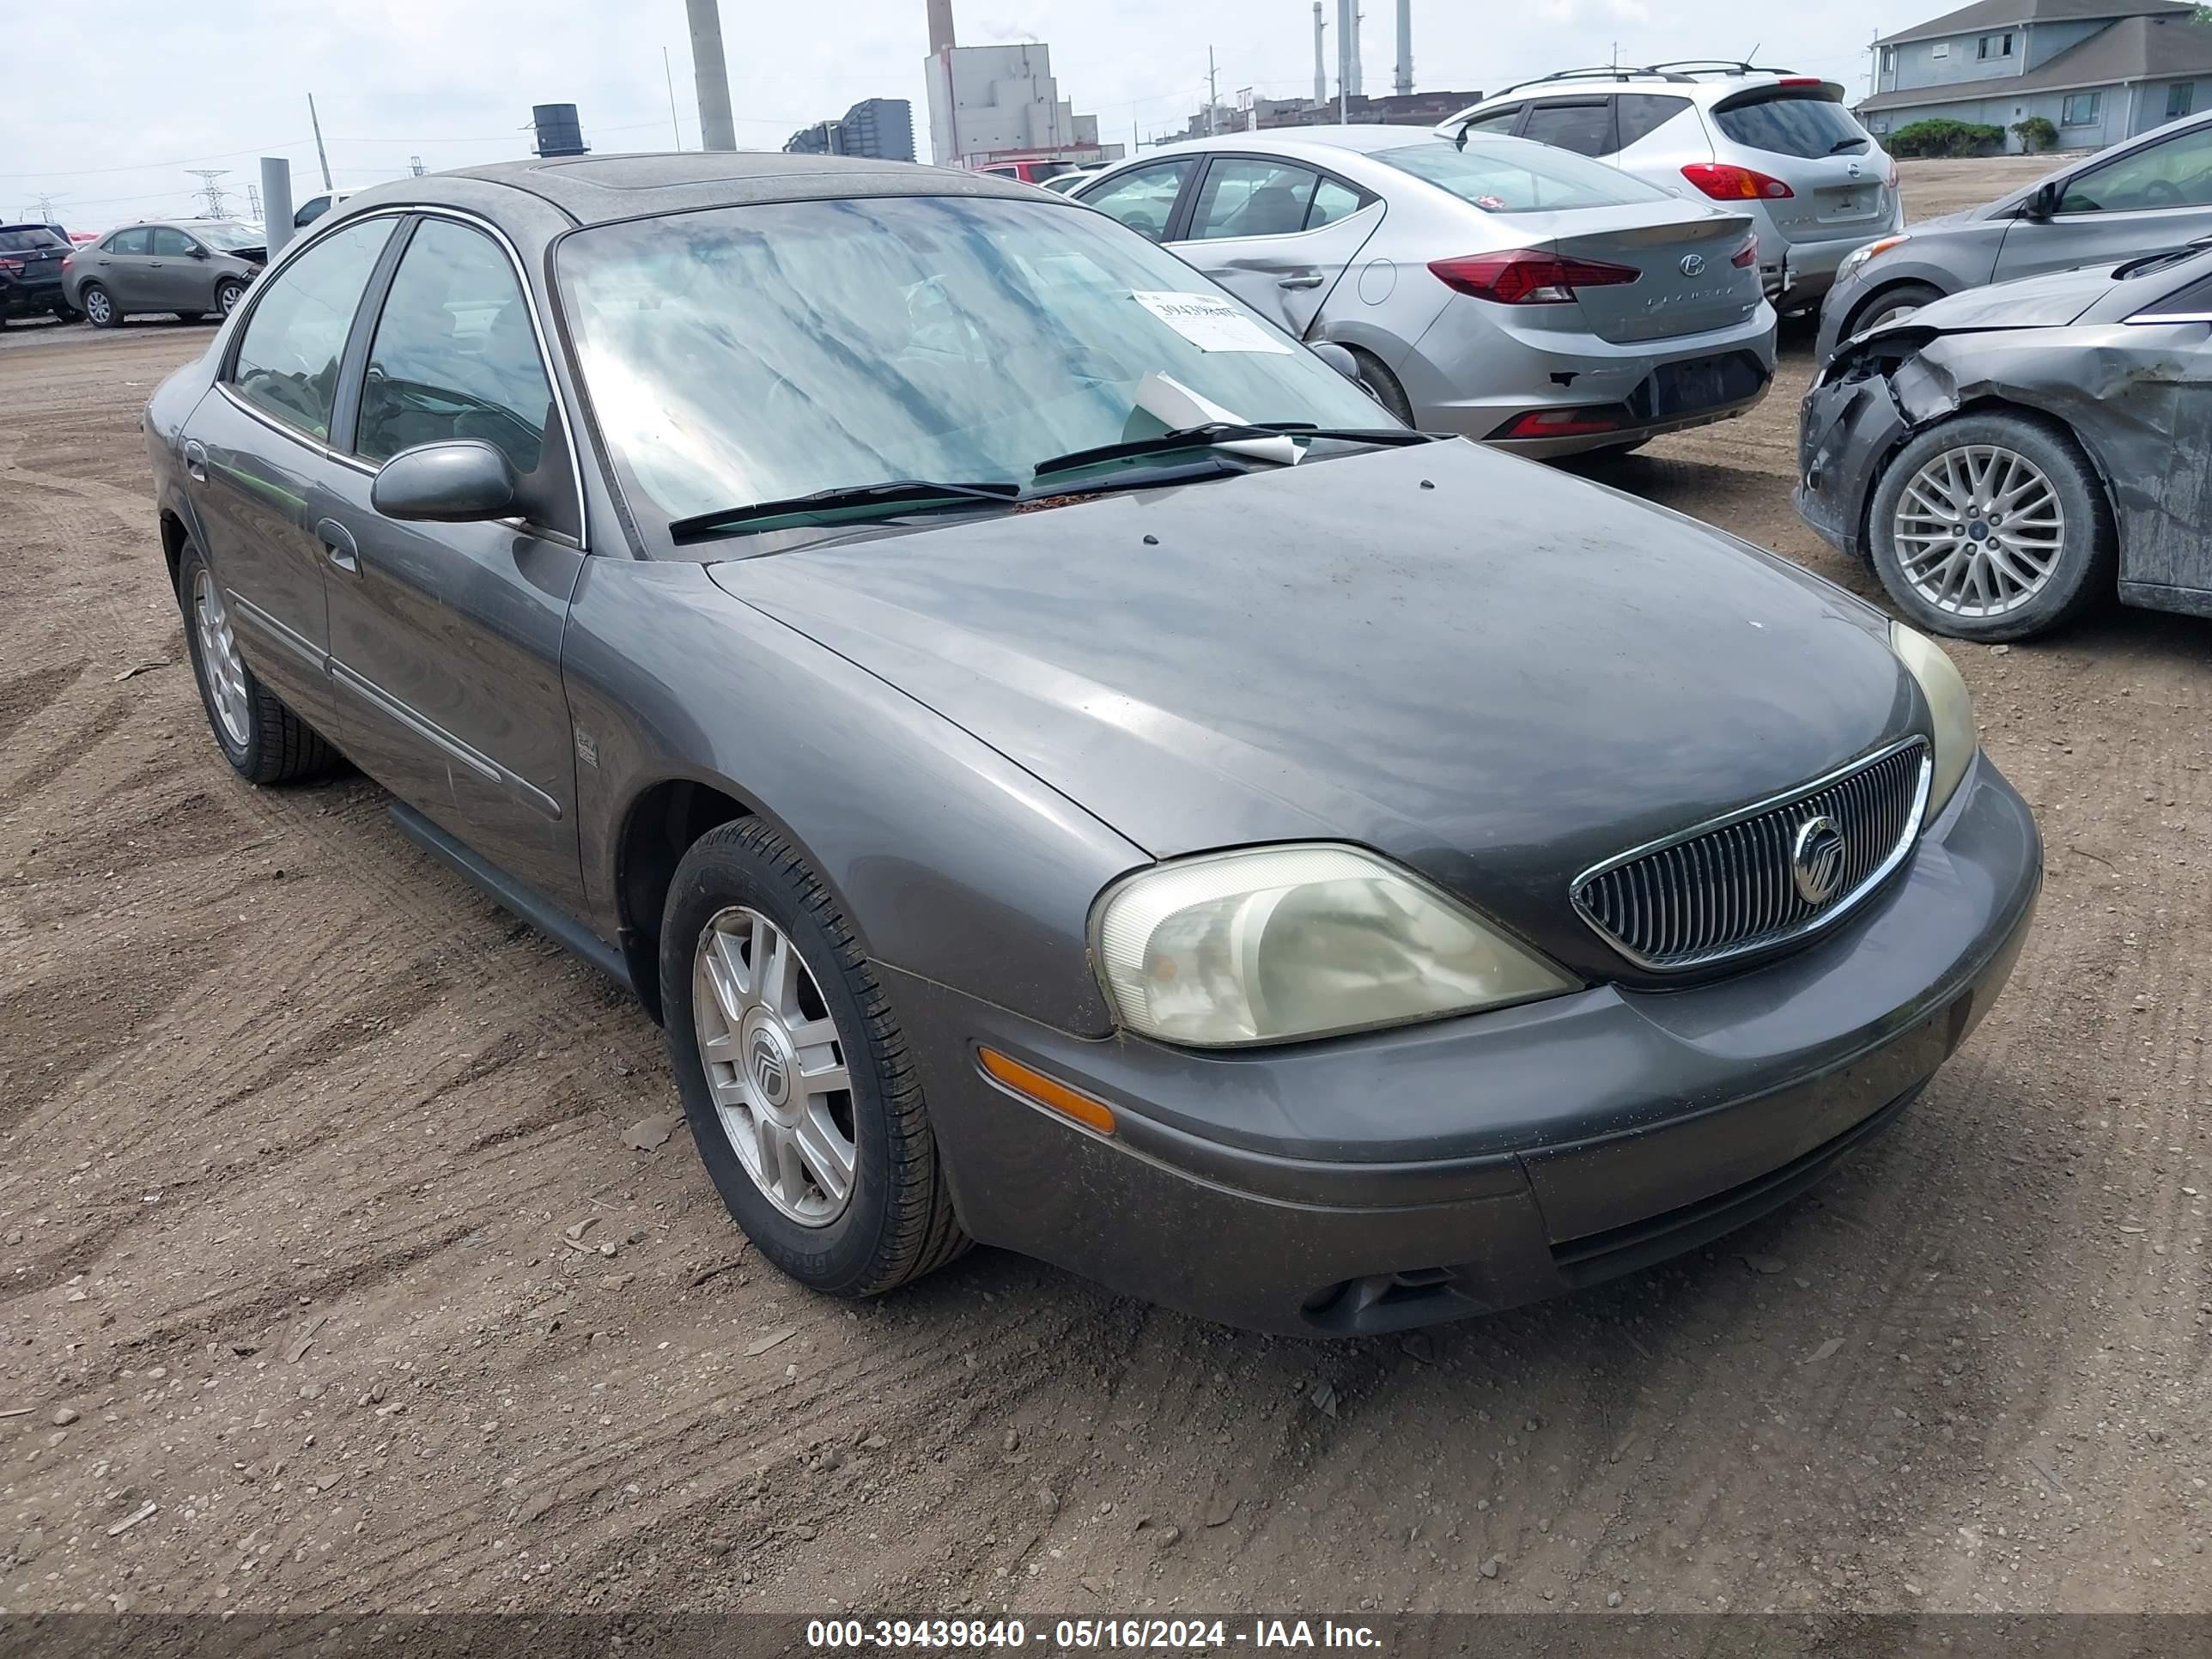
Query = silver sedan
x=1506 y=290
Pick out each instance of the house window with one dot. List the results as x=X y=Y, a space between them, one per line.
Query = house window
x=1994 y=46
x=2180 y=99
x=1941 y=49
x=2081 y=109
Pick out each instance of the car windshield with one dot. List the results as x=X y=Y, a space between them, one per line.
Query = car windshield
x=1512 y=175
x=29 y=241
x=758 y=354
x=224 y=238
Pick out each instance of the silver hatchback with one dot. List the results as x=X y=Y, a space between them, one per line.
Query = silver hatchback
x=1499 y=290
x=1782 y=148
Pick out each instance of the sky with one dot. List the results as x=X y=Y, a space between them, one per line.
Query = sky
x=117 y=111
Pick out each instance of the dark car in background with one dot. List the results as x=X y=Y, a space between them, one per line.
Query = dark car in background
x=30 y=259
x=1068 y=771
x=2011 y=456
x=2152 y=192
x=189 y=267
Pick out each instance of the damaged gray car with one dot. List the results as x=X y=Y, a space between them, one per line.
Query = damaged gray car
x=2008 y=457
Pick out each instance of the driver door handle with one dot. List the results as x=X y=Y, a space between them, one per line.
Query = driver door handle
x=1301 y=282
x=338 y=541
x=195 y=460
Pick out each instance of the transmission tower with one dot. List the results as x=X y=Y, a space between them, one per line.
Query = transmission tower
x=209 y=191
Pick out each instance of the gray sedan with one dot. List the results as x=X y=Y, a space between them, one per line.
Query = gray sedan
x=1067 y=772
x=1499 y=288
x=190 y=267
x=2151 y=192
x=2009 y=457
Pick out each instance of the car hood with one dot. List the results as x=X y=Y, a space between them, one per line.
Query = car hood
x=2051 y=301
x=1495 y=672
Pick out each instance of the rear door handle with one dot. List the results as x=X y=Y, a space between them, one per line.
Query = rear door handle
x=1301 y=282
x=195 y=460
x=338 y=541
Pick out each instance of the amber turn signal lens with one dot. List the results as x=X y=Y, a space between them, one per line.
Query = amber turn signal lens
x=1033 y=1084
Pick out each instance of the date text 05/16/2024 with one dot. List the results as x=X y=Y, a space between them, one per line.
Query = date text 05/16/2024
x=1079 y=1635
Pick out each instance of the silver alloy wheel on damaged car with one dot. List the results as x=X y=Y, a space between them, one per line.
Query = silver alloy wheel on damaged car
x=1978 y=530
x=776 y=1066
x=225 y=669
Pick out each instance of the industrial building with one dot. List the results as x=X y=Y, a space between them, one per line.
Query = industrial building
x=998 y=105
x=1404 y=107
x=880 y=128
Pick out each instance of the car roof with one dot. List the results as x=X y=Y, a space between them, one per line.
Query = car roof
x=1315 y=144
x=1699 y=83
x=595 y=189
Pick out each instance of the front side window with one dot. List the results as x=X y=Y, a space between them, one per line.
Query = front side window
x=170 y=243
x=310 y=210
x=1142 y=199
x=1510 y=175
x=287 y=358
x=1246 y=197
x=136 y=240
x=2081 y=109
x=454 y=354
x=738 y=355
x=2177 y=174
x=1585 y=128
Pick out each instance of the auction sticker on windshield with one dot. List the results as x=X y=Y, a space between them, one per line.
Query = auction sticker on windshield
x=1209 y=323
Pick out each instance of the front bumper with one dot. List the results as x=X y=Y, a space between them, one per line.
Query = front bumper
x=1846 y=430
x=1403 y=1177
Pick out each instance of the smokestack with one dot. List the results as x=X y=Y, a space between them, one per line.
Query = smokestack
x=1320 y=64
x=711 y=71
x=1359 y=74
x=1345 y=33
x=1404 y=81
x=940 y=26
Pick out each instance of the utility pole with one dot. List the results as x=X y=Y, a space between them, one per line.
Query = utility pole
x=1874 y=66
x=710 y=72
x=669 y=75
x=1213 y=91
x=254 y=202
x=316 y=121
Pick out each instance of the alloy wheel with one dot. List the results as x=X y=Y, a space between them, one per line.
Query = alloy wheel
x=776 y=1066
x=225 y=298
x=96 y=305
x=1980 y=530
x=219 y=660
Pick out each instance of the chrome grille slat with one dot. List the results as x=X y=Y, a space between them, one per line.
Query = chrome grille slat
x=1727 y=888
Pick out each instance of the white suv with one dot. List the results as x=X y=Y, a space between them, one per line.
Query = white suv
x=1780 y=146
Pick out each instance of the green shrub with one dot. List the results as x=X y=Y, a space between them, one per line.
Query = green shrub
x=2036 y=134
x=1943 y=136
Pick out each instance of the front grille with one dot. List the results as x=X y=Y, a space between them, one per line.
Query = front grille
x=1732 y=887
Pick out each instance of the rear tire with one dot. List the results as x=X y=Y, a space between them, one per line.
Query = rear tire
x=1889 y=304
x=1383 y=385
x=264 y=741
x=739 y=896
x=2046 y=553
x=98 y=305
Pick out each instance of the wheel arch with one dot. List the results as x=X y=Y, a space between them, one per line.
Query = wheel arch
x=1989 y=403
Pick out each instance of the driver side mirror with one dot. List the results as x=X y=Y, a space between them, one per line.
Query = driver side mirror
x=462 y=481
x=198 y=253
x=1337 y=358
x=2045 y=203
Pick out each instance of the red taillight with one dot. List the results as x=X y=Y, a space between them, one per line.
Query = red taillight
x=1893 y=172
x=1566 y=422
x=1523 y=276
x=1726 y=182
x=68 y=260
x=11 y=264
x=1746 y=256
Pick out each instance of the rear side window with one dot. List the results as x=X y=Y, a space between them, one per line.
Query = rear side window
x=287 y=358
x=1637 y=115
x=454 y=356
x=1790 y=124
x=1143 y=198
x=1584 y=126
x=1506 y=175
x=1251 y=198
x=129 y=241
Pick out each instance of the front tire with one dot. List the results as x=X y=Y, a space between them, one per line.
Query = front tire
x=1891 y=304
x=1993 y=527
x=264 y=741
x=98 y=307
x=802 y=1098
x=227 y=296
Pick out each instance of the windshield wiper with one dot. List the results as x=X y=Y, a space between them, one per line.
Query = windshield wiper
x=1215 y=434
x=1843 y=144
x=895 y=492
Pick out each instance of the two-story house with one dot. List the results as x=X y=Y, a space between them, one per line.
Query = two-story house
x=2099 y=70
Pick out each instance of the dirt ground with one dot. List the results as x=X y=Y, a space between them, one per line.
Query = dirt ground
x=295 y=1129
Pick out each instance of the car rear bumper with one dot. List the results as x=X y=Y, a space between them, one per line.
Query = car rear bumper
x=1393 y=1180
x=31 y=298
x=1481 y=391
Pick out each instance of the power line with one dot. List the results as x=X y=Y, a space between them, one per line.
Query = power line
x=150 y=166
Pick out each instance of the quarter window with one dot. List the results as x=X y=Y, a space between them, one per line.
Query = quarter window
x=1637 y=115
x=1331 y=202
x=287 y=358
x=2177 y=174
x=1142 y=199
x=454 y=354
x=1247 y=197
x=129 y=241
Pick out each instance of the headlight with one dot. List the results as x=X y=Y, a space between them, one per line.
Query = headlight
x=1284 y=943
x=1856 y=260
x=1956 y=738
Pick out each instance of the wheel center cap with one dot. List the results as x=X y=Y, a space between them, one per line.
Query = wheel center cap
x=770 y=1065
x=1978 y=531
